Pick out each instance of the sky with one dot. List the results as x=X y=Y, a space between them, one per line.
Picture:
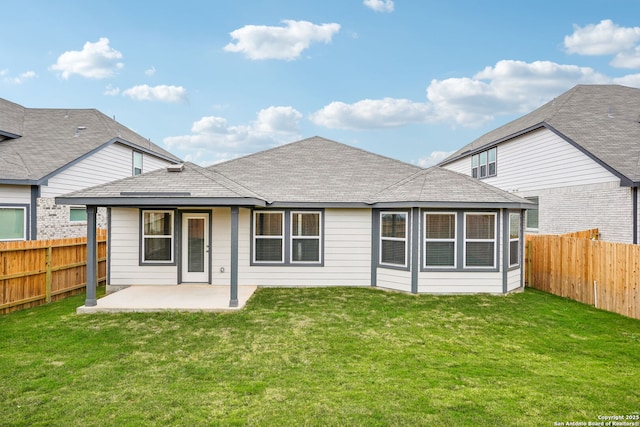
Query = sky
x=215 y=80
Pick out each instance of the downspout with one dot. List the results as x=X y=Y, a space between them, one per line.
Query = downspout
x=634 y=194
x=33 y=215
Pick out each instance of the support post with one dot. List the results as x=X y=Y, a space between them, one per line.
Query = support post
x=415 y=248
x=92 y=260
x=233 y=302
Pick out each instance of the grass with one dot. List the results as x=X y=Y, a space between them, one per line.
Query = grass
x=330 y=357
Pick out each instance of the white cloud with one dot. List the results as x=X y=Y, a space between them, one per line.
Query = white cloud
x=434 y=158
x=379 y=5
x=288 y=42
x=605 y=38
x=21 y=78
x=213 y=139
x=371 y=114
x=507 y=88
x=631 y=80
x=95 y=60
x=510 y=87
x=111 y=91
x=151 y=71
x=627 y=59
x=161 y=93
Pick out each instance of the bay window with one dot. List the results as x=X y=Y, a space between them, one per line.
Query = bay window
x=393 y=238
x=440 y=240
x=514 y=239
x=480 y=240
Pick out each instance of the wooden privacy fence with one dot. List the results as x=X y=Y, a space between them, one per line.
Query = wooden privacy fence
x=40 y=271
x=603 y=274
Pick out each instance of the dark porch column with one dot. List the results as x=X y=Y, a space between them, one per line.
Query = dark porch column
x=92 y=263
x=233 y=302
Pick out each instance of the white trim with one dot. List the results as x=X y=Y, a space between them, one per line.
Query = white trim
x=195 y=277
x=395 y=239
x=454 y=240
x=256 y=237
x=164 y=236
x=24 y=223
x=494 y=240
x=517 y=239
x=301 y=237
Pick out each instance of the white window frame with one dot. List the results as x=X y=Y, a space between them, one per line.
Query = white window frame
x=494 y=240
x=477 y=164
x=318 y=237
x=77 y=208
x=256 y=237
x=396 y=239
x=517 y=239
x=24 y=223
x=137 y=155
x=144 y=238
x=428 y=240
x=535 y=199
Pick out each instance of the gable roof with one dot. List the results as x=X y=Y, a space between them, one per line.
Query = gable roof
x=603 y=121
x=37 y=142
x=314 y=172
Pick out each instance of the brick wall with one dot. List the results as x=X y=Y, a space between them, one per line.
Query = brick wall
x=607 y=207
x=54 y=223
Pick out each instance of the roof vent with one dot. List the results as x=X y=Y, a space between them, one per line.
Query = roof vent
x=175 y=168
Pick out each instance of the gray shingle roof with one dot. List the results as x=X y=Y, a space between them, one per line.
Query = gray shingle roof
x=34 y=142
x=312 y=171
x=603 y=120
x=315 y=169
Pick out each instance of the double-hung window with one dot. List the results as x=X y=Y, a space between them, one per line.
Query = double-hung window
x=483 y=164
x=480 y=240
x=13 y=221
x=157 y=237
x=305 y=237
x=137 y=163
x=514 y=239
x=393 y=238
x=268 y=235
x=440 y=240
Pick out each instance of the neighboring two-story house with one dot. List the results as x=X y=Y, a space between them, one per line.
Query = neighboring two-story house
x=578 y=156
x=48 y=152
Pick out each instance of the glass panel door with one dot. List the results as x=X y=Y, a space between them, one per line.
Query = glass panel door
x=195 y=247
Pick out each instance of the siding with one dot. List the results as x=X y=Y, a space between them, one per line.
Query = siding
x=221 y=246
x=513 y=279
x=111 y=163
x=540 y=160
x=125 y=253
x=575 y=192
x=449 y=282
x=15 y=194
x=347 y=240
x=389 y=278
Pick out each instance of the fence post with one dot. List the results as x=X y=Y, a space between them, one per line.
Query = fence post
x=47 y=276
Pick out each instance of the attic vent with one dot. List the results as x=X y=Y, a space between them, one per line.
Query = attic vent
x=175 y=168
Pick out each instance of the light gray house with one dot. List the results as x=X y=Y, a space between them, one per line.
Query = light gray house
x=578 y=156
x=310 y=213
x=48 y=152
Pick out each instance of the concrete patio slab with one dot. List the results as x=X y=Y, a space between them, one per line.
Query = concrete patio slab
x=170 y=298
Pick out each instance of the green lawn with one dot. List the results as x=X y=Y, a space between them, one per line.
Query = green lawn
x=335 y=356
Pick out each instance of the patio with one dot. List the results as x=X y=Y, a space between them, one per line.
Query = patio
x=170 y=298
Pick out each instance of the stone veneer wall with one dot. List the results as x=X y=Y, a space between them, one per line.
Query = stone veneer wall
x=53 y=221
